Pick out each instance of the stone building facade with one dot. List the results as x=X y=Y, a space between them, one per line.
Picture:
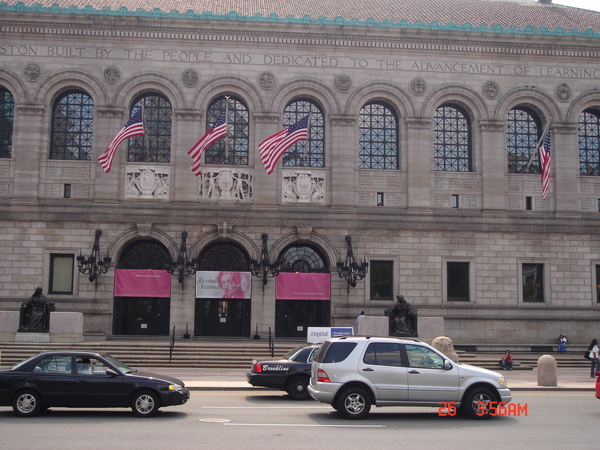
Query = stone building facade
x=422 y=147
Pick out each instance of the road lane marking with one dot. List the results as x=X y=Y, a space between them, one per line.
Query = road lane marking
x=266 y=407
x=300 y=425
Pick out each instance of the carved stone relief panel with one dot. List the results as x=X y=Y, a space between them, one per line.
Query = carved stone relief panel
x=147 y=182
x=303 y=186
x=226 y=184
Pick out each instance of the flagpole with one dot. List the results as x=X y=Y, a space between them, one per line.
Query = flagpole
x=226 y=128
x=539 y=143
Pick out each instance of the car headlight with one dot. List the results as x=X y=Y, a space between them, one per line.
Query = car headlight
x=502 y=382
x=174 y=387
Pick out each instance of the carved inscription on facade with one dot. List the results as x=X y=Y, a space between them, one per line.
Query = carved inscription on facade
x=5 y=168
x=226 y=184
x=380 y=179
x=66 y=170
x=147 y=182
x=515 y=203
x=455 y=182
x=4 y=188
x=588 y=204
x=302 y=186
x=589 y=185
x=525 y=183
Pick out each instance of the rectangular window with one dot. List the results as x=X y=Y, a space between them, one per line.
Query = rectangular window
x=533 y=282
x=529 y=203
x=380 y=199
x=382 y=280
x=61 y=274
x=457 y=279
x=455 y=203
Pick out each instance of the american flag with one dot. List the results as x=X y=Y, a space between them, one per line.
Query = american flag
x=272 y=148
x=133 y=127
x=545 y=155
x=216 y=132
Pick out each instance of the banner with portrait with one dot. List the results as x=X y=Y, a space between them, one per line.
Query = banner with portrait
x=223 y=284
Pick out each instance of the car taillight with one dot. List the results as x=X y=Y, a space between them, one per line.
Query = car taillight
x=322 y=376
x=257 y=367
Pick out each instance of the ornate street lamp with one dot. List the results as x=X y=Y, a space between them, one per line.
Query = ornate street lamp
x=264 y=265
x=350 y=269
x=181 y=265
x=94 y=265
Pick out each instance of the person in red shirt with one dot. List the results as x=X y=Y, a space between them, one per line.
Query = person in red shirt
x=507 y=361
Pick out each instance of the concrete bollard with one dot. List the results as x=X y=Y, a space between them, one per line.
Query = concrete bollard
x=546 y=371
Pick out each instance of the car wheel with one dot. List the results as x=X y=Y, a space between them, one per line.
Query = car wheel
x=298 y=388
x=354 y=403
x=27 y=403
x=477 y=402
x=144 y=404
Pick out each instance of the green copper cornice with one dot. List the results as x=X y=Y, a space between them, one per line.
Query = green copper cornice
x=274 y=18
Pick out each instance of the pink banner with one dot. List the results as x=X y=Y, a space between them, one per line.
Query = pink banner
x=303 y=286
x=142 y=283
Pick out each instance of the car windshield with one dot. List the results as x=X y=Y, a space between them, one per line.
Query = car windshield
x=118 y=364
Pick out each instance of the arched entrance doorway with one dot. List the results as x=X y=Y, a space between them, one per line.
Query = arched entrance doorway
x=294 y=313
x=223 y=296
x=142 y=304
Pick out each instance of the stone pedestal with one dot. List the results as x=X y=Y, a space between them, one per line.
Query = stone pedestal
x=64 y=327
x=430 y=327
x=373 y=326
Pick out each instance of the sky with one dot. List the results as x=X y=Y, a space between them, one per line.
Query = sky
x=593 y=5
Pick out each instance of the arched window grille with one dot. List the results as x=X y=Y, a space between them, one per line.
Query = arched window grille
x=233 y=148
x=224 y=256
x=589 y=142
x=7 y=115
x=72 y=127
x=452 y=139
x=145 y=254
x=154 y=146
x=378 y=137
x=309 y=153
x=301 y=258
x=524 y=129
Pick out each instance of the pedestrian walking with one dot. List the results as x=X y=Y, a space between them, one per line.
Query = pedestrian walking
x=594 y=357
x=362 y=314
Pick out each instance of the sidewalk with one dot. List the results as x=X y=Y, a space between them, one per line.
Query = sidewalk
x=235 y=379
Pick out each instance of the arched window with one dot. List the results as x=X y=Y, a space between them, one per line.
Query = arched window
x=589 y=142
x=224 y=256
x=301 y=258
x=154 y=146
x=524 y=129
x=7 y=115
x=378 y=137
x=452 y=139
x=145 y=254
x=309 y=153
x=233 y=148
x=72 y=127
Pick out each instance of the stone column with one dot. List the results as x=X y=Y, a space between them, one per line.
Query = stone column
x=187 y=130
x=108 y=123
x=267 y=188
x=420 y=163
x=564 y=168
x=343 y=162
x=492 y=165
x=30 y=134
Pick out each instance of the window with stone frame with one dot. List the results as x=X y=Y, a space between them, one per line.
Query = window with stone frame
x=597 y=283
x=71 y=127
x=458 y=281
x=533 y=282
x=233 y=149
x=524 y=130
x=311 y=152
x=154 y=146
x=452 y=139
x=589 y=142
x=7 y=115
x=378 y=137
x=381 y=280
x=61 y=274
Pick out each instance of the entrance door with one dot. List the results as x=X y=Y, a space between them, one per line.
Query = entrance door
x=222 y=317
x=293 y=317
x=143 y=316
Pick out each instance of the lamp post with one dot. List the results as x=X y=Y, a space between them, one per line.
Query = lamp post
x=264 y=265
x=94 y=265
x=350 y=269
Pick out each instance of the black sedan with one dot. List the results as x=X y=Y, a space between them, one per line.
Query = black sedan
x=85 y=380
x=290 y=374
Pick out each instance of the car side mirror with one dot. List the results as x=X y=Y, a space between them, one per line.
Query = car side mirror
x=447 y=365
x=111 y=373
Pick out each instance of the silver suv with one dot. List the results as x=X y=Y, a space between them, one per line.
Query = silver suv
x=353 y=373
